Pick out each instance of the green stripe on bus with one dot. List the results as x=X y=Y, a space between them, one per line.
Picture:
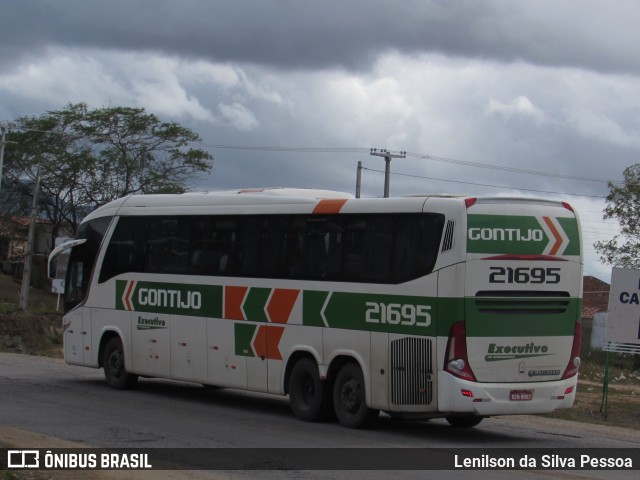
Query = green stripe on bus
x=255 y=303
x=520 y=235
x=243 y=333
x=570 y=227
x=312 y=303
x=404 y=314
x=450 y=310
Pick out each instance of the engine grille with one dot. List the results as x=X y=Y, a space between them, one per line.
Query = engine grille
x=411 y=370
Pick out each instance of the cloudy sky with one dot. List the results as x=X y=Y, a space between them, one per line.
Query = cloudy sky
x=498 y=97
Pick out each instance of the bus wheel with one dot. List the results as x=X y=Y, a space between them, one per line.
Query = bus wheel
x=308 y=395
x=349 y=399
x=113 y=364
x=466 y=421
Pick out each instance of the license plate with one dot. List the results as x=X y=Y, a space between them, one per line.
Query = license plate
x=521 y=395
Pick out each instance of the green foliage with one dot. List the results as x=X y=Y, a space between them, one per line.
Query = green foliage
x=89 y=157
x=623 y=205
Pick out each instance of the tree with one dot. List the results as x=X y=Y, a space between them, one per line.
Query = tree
x=623 y=201
x=89 y=157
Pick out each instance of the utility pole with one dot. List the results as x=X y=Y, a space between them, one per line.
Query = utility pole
x=26 y=274
x=387 y=168
x=2 y=142
x=359 y=180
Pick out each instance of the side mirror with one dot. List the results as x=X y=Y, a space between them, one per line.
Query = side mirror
x=57 y=251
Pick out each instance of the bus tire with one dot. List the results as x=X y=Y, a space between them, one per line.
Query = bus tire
x=113 y=364
x=349 y=398
x=309 y=396
x=467 y=421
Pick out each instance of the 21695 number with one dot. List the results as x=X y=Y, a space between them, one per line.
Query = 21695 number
x=535 y=275
x=398 y=314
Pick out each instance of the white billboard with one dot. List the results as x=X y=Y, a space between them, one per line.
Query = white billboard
x=623 y=324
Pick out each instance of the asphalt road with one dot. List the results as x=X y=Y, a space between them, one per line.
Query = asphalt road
x=46 y=396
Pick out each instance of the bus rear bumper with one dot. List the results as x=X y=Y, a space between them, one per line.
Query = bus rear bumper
x=487 y=399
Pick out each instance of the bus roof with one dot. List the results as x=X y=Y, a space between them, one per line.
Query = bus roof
x=280 y=192
x=288 y=196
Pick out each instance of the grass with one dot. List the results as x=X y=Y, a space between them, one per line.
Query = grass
x=39 y=302
x=36 y=331
x=623 y=406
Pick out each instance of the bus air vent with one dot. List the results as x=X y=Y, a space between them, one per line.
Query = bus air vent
x=447 y=242
x=411 y=372
x=517 y=302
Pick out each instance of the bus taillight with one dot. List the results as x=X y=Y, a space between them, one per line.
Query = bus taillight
x=456 y=359
x=574 y=359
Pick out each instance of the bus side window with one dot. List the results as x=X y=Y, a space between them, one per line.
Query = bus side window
x=315 y=247
x=249 y=239
x=417 y=240
x=378 y=235
x=126 y=249
x=220 y=256
x=199 y=245
x=367 y=248
x=273 y=248
x=167 y=249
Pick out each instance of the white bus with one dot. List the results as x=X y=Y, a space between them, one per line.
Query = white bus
x=421 y=306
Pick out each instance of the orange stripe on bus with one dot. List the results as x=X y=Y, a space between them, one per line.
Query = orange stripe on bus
x=267 y=341
x=332 y=205
x=281 y=304
x=233 y=298
x=127 y=296
x=556 y=235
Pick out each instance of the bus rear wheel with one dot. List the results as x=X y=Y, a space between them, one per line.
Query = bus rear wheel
x=113 y=364
x=308 y=394
x=467 y=421
x=349 y=398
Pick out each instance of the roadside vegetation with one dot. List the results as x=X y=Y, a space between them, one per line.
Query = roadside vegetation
x=37 y=331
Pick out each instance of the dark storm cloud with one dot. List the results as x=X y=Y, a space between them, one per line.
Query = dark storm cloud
x=347 y=34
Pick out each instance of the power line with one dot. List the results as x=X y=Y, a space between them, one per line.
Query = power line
x=362 y=150
x=483 y=184
x=353 y=150
x=289 y=149
x=504 y=168
x=423 y=156
x=599 y=222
